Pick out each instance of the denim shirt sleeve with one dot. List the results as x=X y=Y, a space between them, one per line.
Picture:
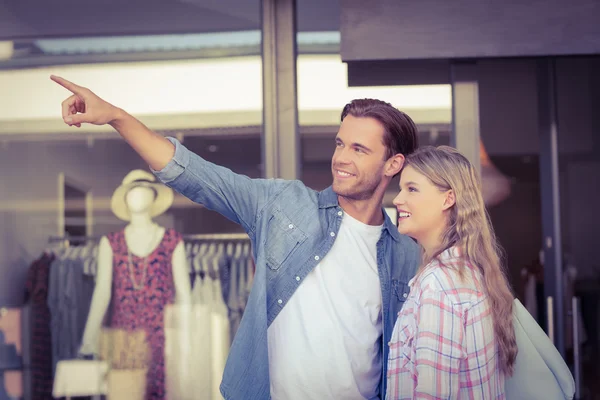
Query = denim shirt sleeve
x=235 y=196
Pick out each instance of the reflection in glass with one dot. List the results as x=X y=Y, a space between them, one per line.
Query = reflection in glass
x=205 y=89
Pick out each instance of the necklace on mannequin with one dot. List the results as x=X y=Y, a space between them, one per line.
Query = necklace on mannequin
x=139 y=286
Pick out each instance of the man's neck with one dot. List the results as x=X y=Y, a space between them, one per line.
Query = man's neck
x=366 y=211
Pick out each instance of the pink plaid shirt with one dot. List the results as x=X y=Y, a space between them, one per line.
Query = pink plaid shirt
x=443 y=345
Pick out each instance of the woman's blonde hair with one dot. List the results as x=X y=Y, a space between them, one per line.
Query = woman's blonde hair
x=470 y=230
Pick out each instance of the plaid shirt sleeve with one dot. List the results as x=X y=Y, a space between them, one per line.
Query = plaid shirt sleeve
x=439 y=347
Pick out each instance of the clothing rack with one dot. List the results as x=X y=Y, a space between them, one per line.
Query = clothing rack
x=217 y=236
x=202 y=236
x=53 y=239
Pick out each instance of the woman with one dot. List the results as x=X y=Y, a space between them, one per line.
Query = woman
x=454 y=337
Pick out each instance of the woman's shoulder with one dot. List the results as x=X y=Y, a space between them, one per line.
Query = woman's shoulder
x=454 y=277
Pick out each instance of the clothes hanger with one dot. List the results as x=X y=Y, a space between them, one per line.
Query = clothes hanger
x=239 y=250
x=188 y=256
x=80 y=252
x=194 y=249
x=67 y=251
x=207 y=263
x=188 y=250
x=84 y=253
x=230 y=249
x=218 y=259
x=83 y=257
x=199 y=252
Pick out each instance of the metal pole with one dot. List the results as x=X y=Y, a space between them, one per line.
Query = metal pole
x=281 y=143
x=550 y=317
x=576 y=349
x=465 y=111
x=549 y=182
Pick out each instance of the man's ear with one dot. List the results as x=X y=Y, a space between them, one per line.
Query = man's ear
x=394 y=165
x=449 y=200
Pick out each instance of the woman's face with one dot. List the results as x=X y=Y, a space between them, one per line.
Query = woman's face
x=421 y=206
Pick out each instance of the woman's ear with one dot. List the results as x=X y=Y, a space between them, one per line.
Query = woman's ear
x=449 y=200
x=394 y=165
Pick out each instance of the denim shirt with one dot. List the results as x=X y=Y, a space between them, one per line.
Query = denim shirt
x=291 y=227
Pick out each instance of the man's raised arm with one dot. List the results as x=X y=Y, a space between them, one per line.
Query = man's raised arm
x=83 y=106
x=235 y=196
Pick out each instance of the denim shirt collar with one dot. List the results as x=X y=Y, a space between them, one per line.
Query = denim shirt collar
x=390 y=227
x=328 y=199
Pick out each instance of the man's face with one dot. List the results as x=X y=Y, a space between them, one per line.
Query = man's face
x=359 y=158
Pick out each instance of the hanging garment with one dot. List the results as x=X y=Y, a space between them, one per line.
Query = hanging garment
x=220 y=335
x=142 y=289
x=201 y=341
x=60 y=314
x=41 y=343
x=188 y=346
x=217 y=318
x=198 y=336
x=70 y=293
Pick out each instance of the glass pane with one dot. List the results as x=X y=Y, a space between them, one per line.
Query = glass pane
x=578 y=86
x=60 y=198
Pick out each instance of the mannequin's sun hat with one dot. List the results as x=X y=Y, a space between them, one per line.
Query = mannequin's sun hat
x=138 y=177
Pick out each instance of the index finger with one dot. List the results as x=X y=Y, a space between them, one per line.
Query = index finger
x=75 y=89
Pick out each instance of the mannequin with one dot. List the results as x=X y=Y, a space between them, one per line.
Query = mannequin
x=137 y=200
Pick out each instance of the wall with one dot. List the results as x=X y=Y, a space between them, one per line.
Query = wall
x=467 y=29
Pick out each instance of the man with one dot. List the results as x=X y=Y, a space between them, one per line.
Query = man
x=331 y=268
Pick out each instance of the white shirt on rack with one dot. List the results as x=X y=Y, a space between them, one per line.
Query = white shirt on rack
x=219 y=334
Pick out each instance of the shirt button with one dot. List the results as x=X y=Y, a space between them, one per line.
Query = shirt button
x=291 y=226
x=332 y=234
x=280 y=301
x=298 y=278
x=317 y=258
x=340 y=213
x=404 y=295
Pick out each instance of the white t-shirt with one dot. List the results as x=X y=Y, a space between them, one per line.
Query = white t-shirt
x=324 y=344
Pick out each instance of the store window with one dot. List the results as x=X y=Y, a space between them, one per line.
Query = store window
x=65 y=190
